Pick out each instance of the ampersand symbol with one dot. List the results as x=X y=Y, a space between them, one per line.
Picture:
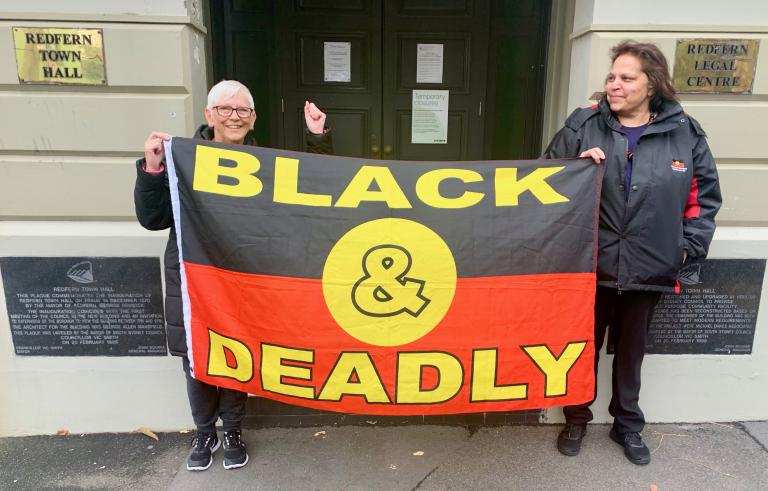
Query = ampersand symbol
x=384 y=290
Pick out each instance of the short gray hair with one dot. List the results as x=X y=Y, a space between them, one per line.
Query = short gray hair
x=226 y=89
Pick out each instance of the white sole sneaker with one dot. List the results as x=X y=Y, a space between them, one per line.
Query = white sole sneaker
x=236 y=466
x=202 y=468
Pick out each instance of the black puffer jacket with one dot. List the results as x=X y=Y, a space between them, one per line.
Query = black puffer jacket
x=671 y=205
x=152 y=198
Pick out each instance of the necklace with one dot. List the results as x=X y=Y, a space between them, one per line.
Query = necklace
x=651 y=117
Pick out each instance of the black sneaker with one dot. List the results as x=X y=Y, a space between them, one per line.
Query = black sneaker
x=634 y=447
x=201 y=455
x=569 y=440
x=234 y=450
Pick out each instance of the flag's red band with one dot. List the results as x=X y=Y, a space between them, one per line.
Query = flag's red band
x=501 y=346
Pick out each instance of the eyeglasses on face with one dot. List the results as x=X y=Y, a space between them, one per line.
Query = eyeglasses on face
x=226 y=111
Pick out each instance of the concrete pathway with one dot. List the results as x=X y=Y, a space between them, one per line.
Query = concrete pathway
x=685 y=456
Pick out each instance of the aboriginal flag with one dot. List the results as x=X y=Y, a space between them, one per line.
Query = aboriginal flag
x=387 y=287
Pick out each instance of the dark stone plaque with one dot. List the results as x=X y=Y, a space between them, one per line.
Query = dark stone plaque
x=84 y=306
x=715 y=312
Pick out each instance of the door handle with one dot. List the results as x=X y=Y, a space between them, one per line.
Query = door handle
x=387 y=149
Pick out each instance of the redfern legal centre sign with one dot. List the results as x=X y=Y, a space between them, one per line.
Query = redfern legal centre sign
x=715 y=65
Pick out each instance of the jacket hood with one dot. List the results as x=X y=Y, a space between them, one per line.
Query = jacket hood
x=669 y=116
x=205 y=132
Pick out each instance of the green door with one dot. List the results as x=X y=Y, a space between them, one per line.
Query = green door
x=371 y=110
x=350 y=96
x=358 y=60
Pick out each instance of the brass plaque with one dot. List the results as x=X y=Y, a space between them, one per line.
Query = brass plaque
x=53 y=55
x=715 y=65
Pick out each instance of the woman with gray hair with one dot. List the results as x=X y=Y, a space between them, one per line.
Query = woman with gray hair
x=659 y=199
x=230 y=117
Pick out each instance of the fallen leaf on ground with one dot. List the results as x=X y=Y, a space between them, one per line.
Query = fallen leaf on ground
x=62 y=432
x=393 y=467
x=419 y=453
x=370 y=422
x=146 y=431
x=320 y=433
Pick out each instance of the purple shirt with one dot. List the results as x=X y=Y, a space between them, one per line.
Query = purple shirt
x=633 y=134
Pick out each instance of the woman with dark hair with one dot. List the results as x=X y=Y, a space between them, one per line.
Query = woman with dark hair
x=659 y=199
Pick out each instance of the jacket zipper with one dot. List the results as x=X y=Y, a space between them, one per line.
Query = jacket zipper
x=624 y=221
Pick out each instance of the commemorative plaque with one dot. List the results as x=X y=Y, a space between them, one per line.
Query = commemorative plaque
x=715 y=312
x=84 y=306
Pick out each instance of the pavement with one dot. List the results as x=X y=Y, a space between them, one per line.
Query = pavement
x=424 y=457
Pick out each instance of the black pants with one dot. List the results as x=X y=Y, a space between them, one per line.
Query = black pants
x=629 y=315
x=209 y=402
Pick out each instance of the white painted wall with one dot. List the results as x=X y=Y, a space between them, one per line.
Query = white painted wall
x=741 y=15
x=87 y=7
x=168 y=11
x=65 y=136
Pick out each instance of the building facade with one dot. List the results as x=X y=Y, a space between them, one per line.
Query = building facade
x=515 y=70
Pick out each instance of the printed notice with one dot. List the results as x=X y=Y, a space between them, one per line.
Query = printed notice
x=429 y=122
x=337 y=61
x=84 y=306
x=429 y=63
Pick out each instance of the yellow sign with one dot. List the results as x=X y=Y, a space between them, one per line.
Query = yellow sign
x=715 y=65
x=59 y=56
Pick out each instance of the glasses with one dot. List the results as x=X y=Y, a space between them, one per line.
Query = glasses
x=226 y=111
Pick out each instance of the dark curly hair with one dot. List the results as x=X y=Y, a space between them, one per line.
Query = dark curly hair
x=654 y=65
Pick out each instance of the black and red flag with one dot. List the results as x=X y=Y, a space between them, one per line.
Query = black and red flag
x=387 y=287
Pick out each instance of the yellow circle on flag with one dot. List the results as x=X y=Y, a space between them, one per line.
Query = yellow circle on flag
x=389 y=281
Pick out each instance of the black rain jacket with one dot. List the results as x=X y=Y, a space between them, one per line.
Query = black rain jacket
x=152 y=198
x=670 y=206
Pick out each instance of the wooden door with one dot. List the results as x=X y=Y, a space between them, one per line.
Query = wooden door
x=353 y=107
x=461 y=27
x=371 y=113
x=493 y=66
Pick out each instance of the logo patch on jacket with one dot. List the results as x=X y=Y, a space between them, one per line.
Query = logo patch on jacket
x=679 y=166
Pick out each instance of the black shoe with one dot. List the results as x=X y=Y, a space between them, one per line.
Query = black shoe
x=569 y=440
x=634 y=447
x=234 y=450
x=201 y=455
